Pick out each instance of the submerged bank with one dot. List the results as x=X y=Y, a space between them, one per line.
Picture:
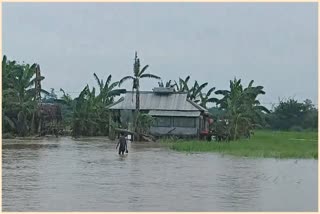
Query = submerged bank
x=263 y=144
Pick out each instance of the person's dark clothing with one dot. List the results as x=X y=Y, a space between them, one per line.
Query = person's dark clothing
x=123 y=145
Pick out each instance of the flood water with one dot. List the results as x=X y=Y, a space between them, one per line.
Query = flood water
x=62 y=174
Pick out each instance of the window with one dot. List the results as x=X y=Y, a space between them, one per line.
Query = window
x=185 y=122
x=163 y=121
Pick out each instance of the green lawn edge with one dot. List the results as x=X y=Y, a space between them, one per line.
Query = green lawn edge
x=264 y=144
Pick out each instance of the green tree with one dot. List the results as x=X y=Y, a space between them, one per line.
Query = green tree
x=243 y=111
x=182 y=85
x=168 y=84
x=195 y=91
x=135 y=78
x=291 y=114
x=205 y=98
x=107 y=90
x=90 y=113
x=67 y=105
x=19 y=96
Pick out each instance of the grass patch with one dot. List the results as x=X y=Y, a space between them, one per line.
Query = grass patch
x=263 y=144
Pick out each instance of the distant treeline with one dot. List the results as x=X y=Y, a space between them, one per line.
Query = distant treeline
x=287 y=115
x=293 y=115
x=237 y=113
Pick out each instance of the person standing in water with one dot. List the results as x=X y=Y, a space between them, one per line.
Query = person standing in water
x=123 y=145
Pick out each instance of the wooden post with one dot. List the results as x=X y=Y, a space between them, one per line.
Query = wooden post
x=38 y=96
x=38 y=83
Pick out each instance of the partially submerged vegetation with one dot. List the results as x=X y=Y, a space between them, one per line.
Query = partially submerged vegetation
x=276 y=144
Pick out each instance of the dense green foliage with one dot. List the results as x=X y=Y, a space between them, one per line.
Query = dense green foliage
x=262 y=144
x=90 y=113
x=293 y=115
x=19 y=94
x=241 y=110
x=195 y=92
x=144 y=123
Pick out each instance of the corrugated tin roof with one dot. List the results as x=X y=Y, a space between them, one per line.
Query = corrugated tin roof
x=151 y=101
x=175 y=113
x=197 y=106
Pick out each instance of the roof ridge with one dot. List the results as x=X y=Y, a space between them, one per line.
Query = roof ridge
x=145 y=92
x=151 y=101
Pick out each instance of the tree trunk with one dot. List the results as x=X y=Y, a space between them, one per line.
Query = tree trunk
x=40 y=127
x=236 y=128
x=33 y=127
x=137 y=137
x=137 y=99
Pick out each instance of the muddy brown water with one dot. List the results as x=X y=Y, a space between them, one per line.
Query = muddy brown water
x=62 y=174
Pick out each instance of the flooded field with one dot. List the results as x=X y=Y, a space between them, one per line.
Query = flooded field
x=62 y=174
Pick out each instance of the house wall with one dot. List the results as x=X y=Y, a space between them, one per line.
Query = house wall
x=171 y=129
x=174 y=130
x=158 y=131
x=126 y=117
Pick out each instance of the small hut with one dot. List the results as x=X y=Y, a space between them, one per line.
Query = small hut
x=173 y=113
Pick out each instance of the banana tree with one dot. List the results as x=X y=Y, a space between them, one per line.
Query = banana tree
x=166 y=85
x=90 y=113
x=135 y=78
x=242 y=107
x=205 y=98
x=19 y=94
x=107 y=90
x=79 y=116
x=195 y=91
x=182 y=86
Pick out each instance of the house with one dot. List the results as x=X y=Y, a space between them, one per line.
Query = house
x=174 y=114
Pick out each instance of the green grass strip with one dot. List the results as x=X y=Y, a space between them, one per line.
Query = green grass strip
x=262 y=144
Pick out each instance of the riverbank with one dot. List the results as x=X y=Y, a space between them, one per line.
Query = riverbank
x=263 y=144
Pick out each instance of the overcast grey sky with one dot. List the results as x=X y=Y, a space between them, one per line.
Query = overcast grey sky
x=274 y=44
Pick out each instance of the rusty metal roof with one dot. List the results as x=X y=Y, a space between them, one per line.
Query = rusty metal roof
x=149 y=100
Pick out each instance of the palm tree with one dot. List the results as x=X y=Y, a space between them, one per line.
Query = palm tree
x=107 y=90
x=106 y=97
x=66 y=98
x=195 y=91
x=241 y=107
x=79 y=116
x=67 y=105
x=232 y=103
x=166 y=85
x=90 y=113
x=137 y=75
x=205 y=98
x=86 y=115
x=19 y=94
x=195 y=94
x=182 y=86
x=9 y=68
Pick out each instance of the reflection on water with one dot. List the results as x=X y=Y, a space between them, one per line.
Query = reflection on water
x=88 y=175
